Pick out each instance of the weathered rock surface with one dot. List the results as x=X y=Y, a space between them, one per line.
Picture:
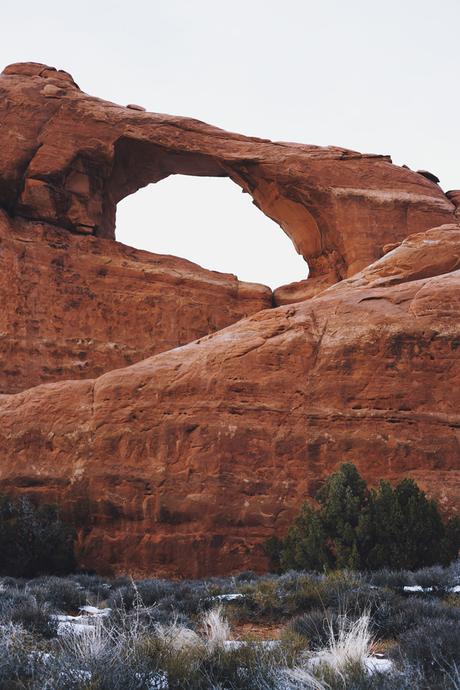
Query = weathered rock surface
x=75 y=307
x=183 y=463
x=69 y=158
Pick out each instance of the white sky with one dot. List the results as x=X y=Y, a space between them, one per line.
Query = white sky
x=377 y=77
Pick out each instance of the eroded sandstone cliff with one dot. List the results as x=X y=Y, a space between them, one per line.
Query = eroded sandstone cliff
x=184 y=462
x=75 y=307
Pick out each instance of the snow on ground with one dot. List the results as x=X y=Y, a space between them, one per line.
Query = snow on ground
x=157 y=681
x=93 y=611
x=237 y=644
x=228 y=597
x=82 y=623
x=373 y=664
x=417 y=588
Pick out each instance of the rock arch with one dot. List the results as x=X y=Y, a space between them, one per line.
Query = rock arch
x=78 y=156
x=212 y=223
x=139 y=163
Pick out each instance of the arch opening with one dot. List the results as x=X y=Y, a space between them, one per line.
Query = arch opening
x=209 y=221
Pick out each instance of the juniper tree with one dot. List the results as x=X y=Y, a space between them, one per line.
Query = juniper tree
x=357 y=528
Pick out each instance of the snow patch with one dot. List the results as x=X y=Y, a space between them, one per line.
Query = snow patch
x=228 y=597
x=417 y=588
x=93 y=611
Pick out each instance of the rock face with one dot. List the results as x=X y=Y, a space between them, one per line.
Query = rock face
x=75 y=307
x=184 y=462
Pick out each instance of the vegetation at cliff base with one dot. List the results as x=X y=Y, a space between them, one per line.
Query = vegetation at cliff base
x=33 y=539
x=385 y=630
x=366 y=529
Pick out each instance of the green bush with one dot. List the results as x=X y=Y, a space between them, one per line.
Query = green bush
x=33 y=540
x=358 y=528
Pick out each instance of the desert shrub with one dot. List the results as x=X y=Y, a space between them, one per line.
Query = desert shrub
x=342 y=650
x=19 y=661
x=454 y=572
x=314 y=627
x=129 y=595
x=12 y=583
x=125 y=654
x=340 y=583
x=126 y=674
x=358 y=528
x=435 y=576
x=307 y=595
x=408 y=678
x=248 y=667
x=128 y=608
x=394 y=579
x=111 y=673
x=277 y=598
x=434 y=646
x=36 y=620
x=144 y=646
x=403 y=615
x=33 y=540
x=60 y=593
x=96 y=588
x=153 y=591
x=191 y=598
x=104 y=656
x=262 y=600
x=348 y=645
x=380 y=604
x=123 y=598
x=188 y=598
x=383 y=607
x=24 y=610
x=245 y=576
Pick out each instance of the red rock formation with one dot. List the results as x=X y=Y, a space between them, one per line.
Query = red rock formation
x=74 y=307
x=188 y=460
x=184 y=462
x=69 y=158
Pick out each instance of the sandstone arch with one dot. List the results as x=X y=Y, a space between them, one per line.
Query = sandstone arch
x=139 y=163
x=211 y=222
x=338 y=206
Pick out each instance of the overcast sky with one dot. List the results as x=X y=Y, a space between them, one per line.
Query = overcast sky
x=378 y=77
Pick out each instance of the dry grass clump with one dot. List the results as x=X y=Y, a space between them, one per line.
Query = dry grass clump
x=349 y=646
x=216 y=628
